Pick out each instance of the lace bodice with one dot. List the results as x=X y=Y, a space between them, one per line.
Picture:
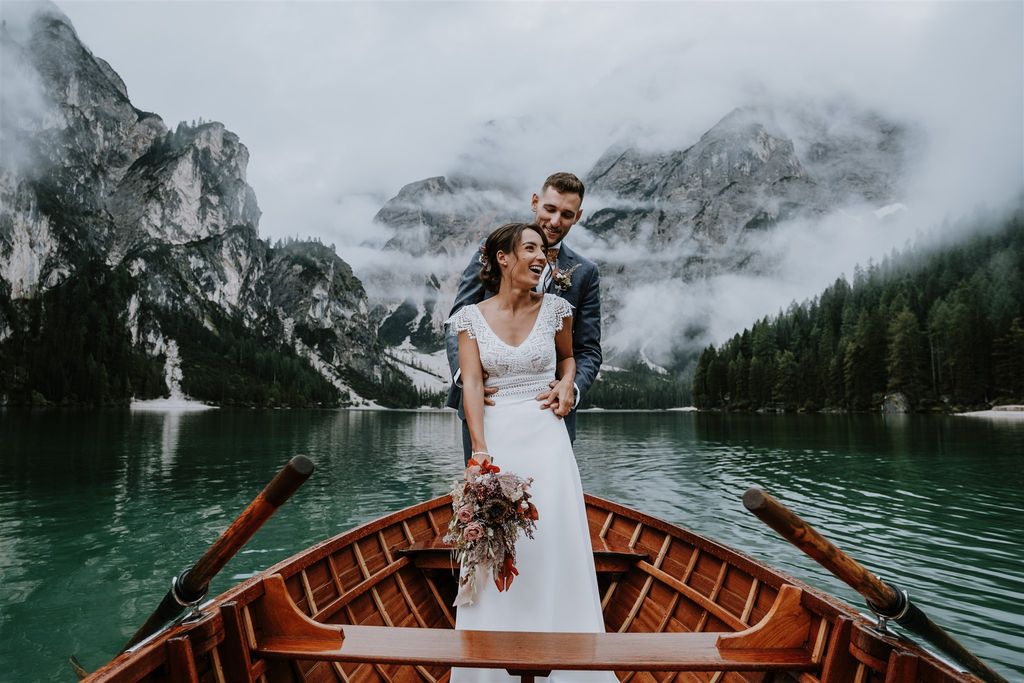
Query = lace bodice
x=523 y=370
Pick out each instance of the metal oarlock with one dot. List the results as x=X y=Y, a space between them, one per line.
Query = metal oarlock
x=898 y=612
x=188 y=602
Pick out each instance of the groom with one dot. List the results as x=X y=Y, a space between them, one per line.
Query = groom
x=574 y=278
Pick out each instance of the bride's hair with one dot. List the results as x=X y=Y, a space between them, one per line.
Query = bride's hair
x=505 y=239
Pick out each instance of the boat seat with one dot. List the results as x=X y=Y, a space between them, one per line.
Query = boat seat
x=781 y=641
x=436 y=554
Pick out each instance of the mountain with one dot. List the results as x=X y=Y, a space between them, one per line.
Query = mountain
x=747 y=173
x=158 y=229
x=435 y=222
x=154 y=233
x=657 y=218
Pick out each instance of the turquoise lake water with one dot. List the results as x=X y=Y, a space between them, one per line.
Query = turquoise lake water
x=98 y=509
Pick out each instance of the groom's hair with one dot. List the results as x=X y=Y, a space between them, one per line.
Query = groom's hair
x=566 y=183
x=504 y=239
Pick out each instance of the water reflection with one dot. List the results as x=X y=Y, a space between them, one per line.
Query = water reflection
x=98 y=509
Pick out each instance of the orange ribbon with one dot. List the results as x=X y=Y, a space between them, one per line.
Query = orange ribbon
x=485 y=466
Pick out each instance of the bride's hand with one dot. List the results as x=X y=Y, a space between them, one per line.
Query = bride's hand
x=565 y=398
x=503 y=579
x=548 y=397
x=560 y=398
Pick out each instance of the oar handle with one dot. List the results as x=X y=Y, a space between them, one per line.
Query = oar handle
x=804 y=536
x=288 y=480
x=190 y=586
x=882 y=598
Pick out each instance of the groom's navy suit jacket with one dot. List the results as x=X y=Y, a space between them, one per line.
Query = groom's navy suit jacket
x=584 y=293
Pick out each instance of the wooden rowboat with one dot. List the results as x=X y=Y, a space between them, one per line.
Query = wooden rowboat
x=374 y=604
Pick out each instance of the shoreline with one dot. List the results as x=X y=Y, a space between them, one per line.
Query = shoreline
x=170 y=405
x=1008 y=413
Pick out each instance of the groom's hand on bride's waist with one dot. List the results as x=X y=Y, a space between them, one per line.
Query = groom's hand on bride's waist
x=488 y=392
x=560 y=406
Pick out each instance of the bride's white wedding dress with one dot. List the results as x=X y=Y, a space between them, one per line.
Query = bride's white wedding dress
x=556 y=590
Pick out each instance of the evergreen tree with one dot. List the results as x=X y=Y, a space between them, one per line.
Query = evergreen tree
x=1008 y=356
x=903 y=362
x=785 y=388
x=943 y=325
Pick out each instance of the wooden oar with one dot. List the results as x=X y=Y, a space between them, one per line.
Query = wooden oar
x=884 y=599
x=189 y=587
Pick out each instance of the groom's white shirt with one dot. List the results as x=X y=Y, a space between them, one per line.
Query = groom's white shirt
x=545 y=276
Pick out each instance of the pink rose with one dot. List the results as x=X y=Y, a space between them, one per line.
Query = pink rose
x=473 y=531
x=465 y=514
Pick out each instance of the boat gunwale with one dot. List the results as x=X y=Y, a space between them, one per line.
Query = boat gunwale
x=149 y=655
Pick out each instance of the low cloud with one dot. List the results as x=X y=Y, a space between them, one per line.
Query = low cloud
x=342 y=104
x=23 y=105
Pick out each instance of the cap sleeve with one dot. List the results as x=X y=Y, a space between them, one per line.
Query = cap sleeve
x=462 y=321
x=560 y=310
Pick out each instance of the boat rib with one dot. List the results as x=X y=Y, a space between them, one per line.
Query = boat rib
x=372 y=605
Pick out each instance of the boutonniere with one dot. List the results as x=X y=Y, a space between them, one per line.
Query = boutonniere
x=563 y=278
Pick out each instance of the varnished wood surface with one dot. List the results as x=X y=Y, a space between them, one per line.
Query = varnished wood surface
x=780 y=641
x=437 y=555
x=806 y=538
x=673 y=583
x=194 y=582
x=503 y=650
x=881 y=597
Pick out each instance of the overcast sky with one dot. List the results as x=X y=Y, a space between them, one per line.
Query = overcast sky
x=343 y=103
x=340 y=104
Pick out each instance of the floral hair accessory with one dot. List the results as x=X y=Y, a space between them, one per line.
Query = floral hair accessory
x=490 y=509
x=563 y=278
x=483 y=255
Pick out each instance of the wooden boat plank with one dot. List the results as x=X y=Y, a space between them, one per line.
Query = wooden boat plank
x=441 y=602
x=321 y=582
x=748 y=606
x=642 y=596
x=734 y=594
x=362 y=587
x=694 y=596
x=724 y=590
x=902 y=668
x=779 y=642
x=502 y=650
x=180 y=660
x=435 y=554
x=339 y=671
x=604 y=524
x=237 y=663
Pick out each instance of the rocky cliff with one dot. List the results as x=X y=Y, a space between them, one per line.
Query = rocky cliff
x=746 y=173
x=661 y=216
x=91 y=187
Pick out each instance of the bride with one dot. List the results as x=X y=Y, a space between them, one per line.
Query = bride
x=522 y=340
